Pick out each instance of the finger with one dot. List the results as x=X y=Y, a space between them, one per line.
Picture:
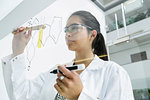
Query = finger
x=28 y=35
x=74 y=72
x=62 y=77
x=65 y=80
x=65 y=65
x=23 y=32
x=58 y=89
x=21 y=29
x=18 y=30
x=59 y=82
x=29 y=32
x=65 y=71
x=59 y=75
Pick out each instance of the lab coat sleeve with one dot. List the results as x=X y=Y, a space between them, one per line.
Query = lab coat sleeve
x=7 y=76
x=17 y=85
x=119 y=85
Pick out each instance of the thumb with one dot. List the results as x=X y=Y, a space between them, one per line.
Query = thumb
x=28 y=35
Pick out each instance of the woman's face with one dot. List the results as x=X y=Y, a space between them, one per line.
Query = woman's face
x=77 y=37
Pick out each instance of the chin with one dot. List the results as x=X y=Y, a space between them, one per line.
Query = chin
x=71 y=48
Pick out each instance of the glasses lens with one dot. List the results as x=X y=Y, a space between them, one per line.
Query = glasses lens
x=73 y=29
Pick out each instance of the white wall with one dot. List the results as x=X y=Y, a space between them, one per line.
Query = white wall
x=139 y=74
x=52 y=53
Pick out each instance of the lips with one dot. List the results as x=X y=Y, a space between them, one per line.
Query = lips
x=70 y=41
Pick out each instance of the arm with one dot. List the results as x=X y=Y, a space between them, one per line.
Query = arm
x=14 y=70
x=7 y=76
x=17 y=85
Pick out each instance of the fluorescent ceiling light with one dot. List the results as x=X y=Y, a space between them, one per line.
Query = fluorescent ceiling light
x=129 y=2
x=132 y=5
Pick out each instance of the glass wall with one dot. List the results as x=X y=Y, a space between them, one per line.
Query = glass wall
x=51 y=52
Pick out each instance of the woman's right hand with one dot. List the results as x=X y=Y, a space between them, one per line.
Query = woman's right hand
x=20 y=40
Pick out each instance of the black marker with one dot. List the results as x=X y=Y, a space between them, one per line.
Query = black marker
x=71 y=68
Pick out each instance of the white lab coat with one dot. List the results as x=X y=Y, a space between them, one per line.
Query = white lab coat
x=102 y=80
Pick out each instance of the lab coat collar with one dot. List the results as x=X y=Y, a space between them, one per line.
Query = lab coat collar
x=96 y=64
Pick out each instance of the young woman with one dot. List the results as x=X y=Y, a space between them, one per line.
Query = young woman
x=101 y=79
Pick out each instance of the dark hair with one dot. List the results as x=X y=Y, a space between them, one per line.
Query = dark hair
x=98 y=44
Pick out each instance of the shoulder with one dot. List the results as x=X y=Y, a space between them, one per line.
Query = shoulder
x=115 y=70
x=111 y=67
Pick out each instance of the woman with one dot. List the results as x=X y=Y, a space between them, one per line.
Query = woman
x=101 y=79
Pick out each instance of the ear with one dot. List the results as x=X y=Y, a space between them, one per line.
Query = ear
x=93 y=34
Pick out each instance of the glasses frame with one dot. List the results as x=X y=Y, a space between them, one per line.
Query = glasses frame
x=66 y=28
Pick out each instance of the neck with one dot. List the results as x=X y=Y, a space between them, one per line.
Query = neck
x=84 y=57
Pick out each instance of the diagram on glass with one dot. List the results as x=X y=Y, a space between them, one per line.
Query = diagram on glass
x=40 y=37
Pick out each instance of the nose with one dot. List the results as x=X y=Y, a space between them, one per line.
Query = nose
x=68 y=34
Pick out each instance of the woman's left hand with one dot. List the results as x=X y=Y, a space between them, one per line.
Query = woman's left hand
x=70 y=86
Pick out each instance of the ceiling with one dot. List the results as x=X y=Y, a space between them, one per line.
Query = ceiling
x=107 y=4
x=21 y=13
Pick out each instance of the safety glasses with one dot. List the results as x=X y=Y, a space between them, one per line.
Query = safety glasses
x=74 y=28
